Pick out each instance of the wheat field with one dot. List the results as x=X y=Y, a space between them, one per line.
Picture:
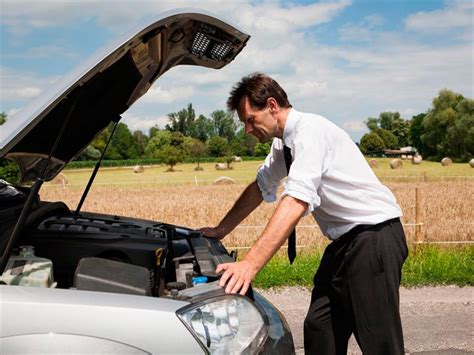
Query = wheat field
x=446 y=208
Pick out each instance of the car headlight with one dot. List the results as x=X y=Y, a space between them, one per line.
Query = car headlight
x=230 y=324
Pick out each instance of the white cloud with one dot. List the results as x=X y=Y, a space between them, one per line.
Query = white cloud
x=13 y=111
x=458 y=14
x=361 y=31
x=354 y=126
x=345 y=82
x=143 y=123
x=21 y=86
x=157 y=94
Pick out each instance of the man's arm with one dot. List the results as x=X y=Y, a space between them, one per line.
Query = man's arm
x=238 y=275
x=249 y=200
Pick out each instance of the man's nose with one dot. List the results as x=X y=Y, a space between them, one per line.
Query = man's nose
x=248 y=128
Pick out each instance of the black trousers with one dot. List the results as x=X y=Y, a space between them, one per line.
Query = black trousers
x=356 y=290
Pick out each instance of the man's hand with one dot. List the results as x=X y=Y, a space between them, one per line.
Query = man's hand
x=213 y=232
x=237 y=276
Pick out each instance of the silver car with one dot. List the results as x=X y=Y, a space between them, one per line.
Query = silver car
x=79 y=282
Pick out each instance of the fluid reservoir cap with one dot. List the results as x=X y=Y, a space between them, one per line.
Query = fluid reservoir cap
x=199 y=280
x=176 y=285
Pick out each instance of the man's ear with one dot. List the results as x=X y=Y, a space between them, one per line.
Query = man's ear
x=273 y=105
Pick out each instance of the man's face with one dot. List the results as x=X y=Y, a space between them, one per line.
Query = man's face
x=259 y=123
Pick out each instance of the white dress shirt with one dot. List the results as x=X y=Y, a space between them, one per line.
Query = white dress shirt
x=329 y=173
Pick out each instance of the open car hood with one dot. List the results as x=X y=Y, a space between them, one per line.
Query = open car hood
x=108 y=83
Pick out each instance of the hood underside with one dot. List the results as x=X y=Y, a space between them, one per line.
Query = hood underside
x=106 y=85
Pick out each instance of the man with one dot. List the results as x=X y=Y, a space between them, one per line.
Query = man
x=356 y=288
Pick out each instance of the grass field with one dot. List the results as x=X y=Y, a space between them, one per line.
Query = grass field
x=446 y=206
x=245 y=171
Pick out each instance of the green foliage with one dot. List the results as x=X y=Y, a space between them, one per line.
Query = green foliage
x=182 y=121
x=140 y=141
x=196 y=149
x=388 y=138
x=393 y=123
x=3 y=118
x=262 y=149
x=224 y=124
x=202 y=128
x=371 y=143
x=9 y=171
x=159 y=140
x=448 y=127
x=430 y=265
x=243 y=144
x=217 y=146
x=415 y=132
x=172 y=155
x=90 y=153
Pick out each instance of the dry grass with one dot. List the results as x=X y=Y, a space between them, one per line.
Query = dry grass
x=447 y=208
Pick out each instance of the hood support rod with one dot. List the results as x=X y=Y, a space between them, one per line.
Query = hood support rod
x=96 y=169
x=34 y=192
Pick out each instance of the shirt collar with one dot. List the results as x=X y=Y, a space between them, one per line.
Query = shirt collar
x=289 y=130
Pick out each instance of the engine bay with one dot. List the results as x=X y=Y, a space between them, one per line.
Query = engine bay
x=97 y=252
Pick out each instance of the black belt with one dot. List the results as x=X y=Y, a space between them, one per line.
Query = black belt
x=366 y=227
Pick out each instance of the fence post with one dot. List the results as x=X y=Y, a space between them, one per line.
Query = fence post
x=418 y=234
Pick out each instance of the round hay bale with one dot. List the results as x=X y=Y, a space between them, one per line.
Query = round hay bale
x=471 y=163
x=403 y=156
x=138 y=169
x=373 y=163
x=224 y=180
x=220 y=166
x=446 y=161
x=396 y=164
x=417 y=159
x=60 y=179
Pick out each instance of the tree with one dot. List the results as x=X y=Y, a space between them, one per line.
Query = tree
x=124 y=143
x=224 y=124
x=196 y=149
x=140 y=141
x=153 y=130
x=171 y=155
x=371 y=143
x=174 y=152
x=243 y=144
x=388 y=138
x=217 y=146
x=156 y=143
x=202 y=128
x=90 y=153
x=9 y=170
x=182 y=121
x=393 y=123
x=448 y=127
x=262 y=149
x=415 y=132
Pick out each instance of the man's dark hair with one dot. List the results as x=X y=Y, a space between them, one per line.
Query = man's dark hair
x=258 y=88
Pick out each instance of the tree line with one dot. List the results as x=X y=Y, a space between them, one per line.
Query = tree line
x=446 y=129
x=186 y=135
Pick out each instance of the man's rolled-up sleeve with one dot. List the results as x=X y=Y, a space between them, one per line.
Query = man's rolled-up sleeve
x=272 y=171
x=306 y=170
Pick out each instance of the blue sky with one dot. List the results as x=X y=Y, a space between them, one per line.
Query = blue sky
x=347 y=60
